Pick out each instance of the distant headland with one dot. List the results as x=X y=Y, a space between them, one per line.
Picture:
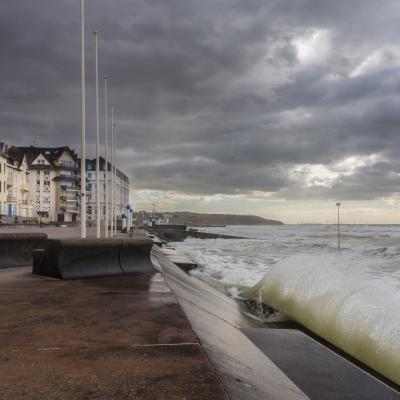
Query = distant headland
x=200 y=219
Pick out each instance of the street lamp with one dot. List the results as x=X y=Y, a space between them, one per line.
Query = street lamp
x=338 y=224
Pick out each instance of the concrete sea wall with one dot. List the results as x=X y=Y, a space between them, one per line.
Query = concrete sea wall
x=16 y=248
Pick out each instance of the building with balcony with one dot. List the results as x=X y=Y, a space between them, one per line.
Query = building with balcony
x=121 y=189
x=3 y=179
x=44 y=183
x=53 y=182
x=19 y=199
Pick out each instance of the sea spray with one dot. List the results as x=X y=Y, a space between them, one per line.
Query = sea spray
x=350 y=297
x=334 y=296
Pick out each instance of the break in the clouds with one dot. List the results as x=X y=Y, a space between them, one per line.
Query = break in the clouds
x=274 y=99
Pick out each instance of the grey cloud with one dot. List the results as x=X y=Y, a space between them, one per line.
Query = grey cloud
x=219 y=82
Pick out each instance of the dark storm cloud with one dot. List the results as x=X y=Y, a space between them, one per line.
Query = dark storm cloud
x=214 y=96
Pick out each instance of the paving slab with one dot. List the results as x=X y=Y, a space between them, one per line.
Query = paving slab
x=122 y=337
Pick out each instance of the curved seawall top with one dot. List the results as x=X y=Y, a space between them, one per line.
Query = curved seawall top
x=255 y=361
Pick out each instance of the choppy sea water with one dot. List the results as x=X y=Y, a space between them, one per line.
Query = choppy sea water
x=351 y=298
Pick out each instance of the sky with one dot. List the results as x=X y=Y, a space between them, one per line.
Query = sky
x=277 y=108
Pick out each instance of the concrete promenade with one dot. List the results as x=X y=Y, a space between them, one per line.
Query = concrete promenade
x=122 y=337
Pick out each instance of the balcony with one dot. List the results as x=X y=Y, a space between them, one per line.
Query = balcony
x=69 y=188
x=70 y=167
x=70 y=199
x=25 y=203
x=65 y=178
x=24 y=188
x=10 y=181
x=11 y=199
x=73 y=210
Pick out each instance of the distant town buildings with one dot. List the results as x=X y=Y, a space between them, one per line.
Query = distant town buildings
x=150 y=218
x=43 y=184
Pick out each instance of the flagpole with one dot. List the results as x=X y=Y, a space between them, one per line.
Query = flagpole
x=115 y=180
x=106 y=175
x=83 y=125
x=98 y=214
x=112 y=171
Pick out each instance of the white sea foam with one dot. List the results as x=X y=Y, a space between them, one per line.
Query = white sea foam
x=351 y=298
x=341 y=303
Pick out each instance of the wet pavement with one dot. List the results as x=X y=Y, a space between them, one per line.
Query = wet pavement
x=122 y=337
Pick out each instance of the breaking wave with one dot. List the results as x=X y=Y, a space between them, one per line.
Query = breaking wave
x=341 y=303
x=350 y=298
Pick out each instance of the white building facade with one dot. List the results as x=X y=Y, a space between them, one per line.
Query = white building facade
x=18 y=197
x=53 y=182
x=43 y=184
x=121 y=188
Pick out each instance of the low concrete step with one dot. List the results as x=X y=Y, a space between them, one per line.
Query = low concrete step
x=179 y=259
x=318 y=371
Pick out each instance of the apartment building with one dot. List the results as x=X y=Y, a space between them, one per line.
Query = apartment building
x=44 y=183
x=14 y=176
x=3 y=179
x=121 y=189
x=53 y=181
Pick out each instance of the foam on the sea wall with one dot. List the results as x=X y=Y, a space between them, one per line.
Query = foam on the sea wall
x=341 y=303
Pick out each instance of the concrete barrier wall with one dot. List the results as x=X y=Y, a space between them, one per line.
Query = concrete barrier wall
x=77 y=258
x=134 y=256
x=169 y=227
x=16 y=248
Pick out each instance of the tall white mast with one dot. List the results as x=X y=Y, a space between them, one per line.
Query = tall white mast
x=83 y=125
x=106 y=160
x=115 y=179
x=98 y=212
x=112 y=172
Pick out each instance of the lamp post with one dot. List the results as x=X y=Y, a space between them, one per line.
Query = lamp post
x=112 y=172
x=338 y=224
x=98 y=234
x=83 y=125
x=106 y=159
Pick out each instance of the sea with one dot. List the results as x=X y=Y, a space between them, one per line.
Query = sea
x=350 y=297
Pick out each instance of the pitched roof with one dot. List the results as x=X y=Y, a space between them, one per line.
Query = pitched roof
x=51 y=154
x=14 y=154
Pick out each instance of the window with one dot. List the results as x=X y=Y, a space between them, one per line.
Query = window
x=37 y=182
